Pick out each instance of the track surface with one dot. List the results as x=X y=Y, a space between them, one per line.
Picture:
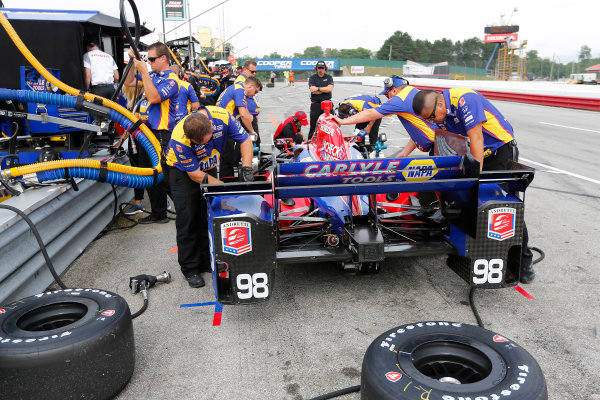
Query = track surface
x=310 y=338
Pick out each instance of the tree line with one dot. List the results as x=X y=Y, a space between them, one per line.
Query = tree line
x=472 y=52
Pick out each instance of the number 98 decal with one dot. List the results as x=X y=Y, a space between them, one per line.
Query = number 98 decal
x=485 y=271
x=252 y=286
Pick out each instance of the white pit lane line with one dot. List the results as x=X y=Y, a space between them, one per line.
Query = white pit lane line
x=559 y=171
x=569 y=127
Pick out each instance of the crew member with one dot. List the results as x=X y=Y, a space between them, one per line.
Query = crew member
x=248 y=70
x=234 y=100
x=400 y=95
x=291 y=78
x=321 y=86
x=100 y=71
x=197 y=142
x=187 y=100
x=466 y=112
x=162 y=90
x=272 y=76
x=290 y=128
x=355 y=104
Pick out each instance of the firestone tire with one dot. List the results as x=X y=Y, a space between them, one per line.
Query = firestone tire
x=449 y=361
x=66 y=344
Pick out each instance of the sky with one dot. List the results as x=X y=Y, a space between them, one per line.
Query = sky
x=556 y=29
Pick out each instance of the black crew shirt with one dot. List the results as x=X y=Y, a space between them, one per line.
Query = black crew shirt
x=317 y=81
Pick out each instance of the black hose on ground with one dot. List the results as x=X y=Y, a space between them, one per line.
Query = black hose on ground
x=337 y=393
x=141 y=310
x=472 y=290
x=40 y=243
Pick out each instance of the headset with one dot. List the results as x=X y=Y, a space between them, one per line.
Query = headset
x=389 y=81
x=351 y=111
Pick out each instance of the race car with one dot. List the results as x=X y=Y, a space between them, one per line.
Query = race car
x=324 y=201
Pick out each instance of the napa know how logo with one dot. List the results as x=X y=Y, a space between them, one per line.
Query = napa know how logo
x=420 y=170
x=236 y=237
x=501 y=223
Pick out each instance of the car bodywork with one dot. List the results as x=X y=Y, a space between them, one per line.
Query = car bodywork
x=329 y=204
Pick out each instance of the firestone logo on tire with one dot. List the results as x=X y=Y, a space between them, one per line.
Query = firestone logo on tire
x=498 y=338
x=393 y=376
x=236 y=237
x=501 y=223
x=108 y=313
x=2 y=310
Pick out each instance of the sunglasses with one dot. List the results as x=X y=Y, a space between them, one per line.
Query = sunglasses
x=432 y=116
x=320 y=67
x=252 y=72
x=152 y=59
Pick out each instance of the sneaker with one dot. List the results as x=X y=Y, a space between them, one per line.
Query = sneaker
x=195 y=280
x=132 y=209
x=169 y=205
x=152 y=220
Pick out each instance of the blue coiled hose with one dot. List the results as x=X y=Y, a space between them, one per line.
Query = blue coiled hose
x=112 y=177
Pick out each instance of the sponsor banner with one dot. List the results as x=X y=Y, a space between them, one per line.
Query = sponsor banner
x=174 y=10
x=204 y=36
x=218 y=45
x=296 y=64
x=357 y=69
x=500 y=37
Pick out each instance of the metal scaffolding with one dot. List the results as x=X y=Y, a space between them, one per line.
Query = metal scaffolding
x=512 y=62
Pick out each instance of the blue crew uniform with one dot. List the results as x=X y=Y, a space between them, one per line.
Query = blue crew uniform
x=365 y=102
x=421 y=132
x=187 y=96
x=232 y=98
x=184 y=156
x=467 y=108
x=161 y=119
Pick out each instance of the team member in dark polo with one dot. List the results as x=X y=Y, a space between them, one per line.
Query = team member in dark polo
x=193 y=153
x=321 y=86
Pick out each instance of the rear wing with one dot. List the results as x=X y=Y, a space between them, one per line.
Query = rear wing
x=356 y=177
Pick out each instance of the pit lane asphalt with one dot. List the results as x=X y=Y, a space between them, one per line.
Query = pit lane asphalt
x=310 y=338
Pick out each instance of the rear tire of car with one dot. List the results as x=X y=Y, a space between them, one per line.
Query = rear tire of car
x=449 y=361
x=73 y=343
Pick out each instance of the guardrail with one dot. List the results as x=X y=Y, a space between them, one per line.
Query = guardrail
x=580 y=103
x=583 y=97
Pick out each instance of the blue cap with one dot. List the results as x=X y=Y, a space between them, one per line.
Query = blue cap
x=392 y=82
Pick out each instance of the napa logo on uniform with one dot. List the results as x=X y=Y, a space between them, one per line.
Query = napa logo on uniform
x=236 y=237
x=420 y=170
x=501 y=223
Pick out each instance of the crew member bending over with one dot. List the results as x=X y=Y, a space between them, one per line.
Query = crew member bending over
x=193 y=153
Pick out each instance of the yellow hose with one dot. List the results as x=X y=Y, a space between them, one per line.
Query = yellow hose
x=175 y=58
x=18 y=171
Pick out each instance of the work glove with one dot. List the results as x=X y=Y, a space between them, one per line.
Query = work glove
x=246 y=174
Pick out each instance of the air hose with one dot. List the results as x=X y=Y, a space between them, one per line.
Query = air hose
x=212 y=81
x=116 y=174
x=91 y=169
